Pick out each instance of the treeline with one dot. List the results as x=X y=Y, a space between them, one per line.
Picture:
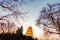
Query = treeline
x=15 y=36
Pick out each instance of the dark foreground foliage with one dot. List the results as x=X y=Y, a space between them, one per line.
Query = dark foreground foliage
x=9 y=36
x=18 y=36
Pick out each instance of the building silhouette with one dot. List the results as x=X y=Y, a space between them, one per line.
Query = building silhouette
x=30 y=32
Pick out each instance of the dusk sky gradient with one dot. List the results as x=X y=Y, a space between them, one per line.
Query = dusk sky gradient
x=33 y=8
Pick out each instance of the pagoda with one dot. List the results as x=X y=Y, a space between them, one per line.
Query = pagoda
x=29 y=32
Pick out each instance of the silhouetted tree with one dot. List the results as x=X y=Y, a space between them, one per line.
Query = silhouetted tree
x=17 y=36
x=50 y=17
x=14 y=13
x=20 y=31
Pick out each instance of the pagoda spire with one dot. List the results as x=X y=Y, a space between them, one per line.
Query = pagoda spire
x=29 y=32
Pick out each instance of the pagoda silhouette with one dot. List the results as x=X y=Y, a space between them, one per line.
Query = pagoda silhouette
x=29 y=32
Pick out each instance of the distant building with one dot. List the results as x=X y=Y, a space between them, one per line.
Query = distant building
x=30 y=32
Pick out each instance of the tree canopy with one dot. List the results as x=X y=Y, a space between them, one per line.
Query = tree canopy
x=50 y=17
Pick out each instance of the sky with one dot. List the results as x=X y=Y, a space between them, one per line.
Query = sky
x=33 y=8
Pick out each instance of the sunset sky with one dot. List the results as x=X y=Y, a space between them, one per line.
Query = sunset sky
x=33 y=8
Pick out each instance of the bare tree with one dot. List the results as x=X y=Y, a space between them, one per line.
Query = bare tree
x=8 y=21
x=11 y=20
x=50 y=17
